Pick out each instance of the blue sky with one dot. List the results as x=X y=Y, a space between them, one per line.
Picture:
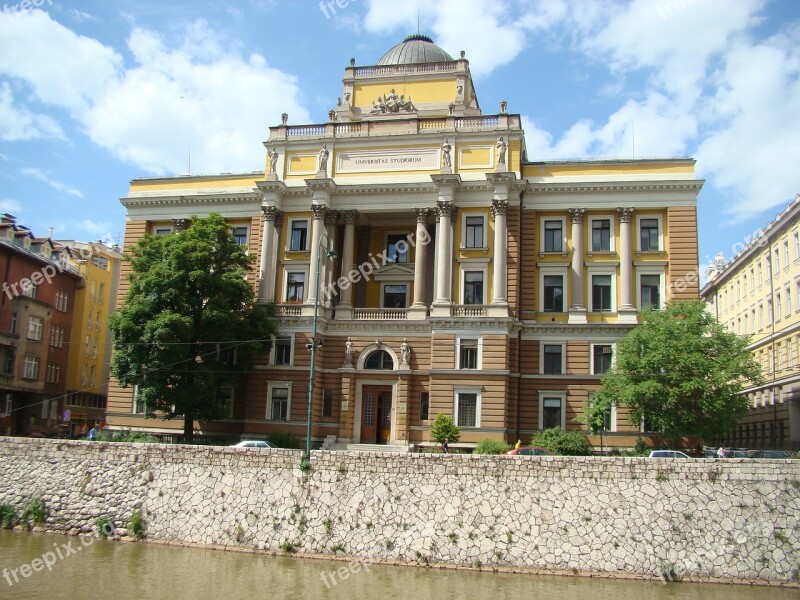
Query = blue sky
x=95 y=93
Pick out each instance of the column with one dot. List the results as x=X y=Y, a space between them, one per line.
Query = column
x=418 y=309
x=444 y=255
x=327 y=277
x=627 y=312
x=577 y=310
x=500 y=258
x=266 y=285
x=345 y=308
x=316 y=230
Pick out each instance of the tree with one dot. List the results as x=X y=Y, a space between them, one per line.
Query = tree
x=558 y=441
x=188 y=324
x=444 y=428
x=682 y=371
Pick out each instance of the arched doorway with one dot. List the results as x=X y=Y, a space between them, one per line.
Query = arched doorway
x=376 y=401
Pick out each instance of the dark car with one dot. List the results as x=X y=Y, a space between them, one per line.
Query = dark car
x=770 y=454
x=529 y=451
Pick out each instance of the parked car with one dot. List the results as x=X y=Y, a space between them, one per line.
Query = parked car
x=253 y=444
x=738 y=454
x=770 y=454
x=668 y=454
x=529 y=451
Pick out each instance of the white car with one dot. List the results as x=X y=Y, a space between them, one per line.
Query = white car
x=668 y=454
x=253 y=444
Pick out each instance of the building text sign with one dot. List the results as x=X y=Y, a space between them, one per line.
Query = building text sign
x=400 y=159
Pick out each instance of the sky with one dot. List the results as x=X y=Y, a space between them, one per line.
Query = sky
x=96 y=93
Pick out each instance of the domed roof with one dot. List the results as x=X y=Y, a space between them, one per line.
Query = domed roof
x=414 y=49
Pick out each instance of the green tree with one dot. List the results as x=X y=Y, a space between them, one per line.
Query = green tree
x=682 y=370
x=189 y=323
x=558 y=441
x=444 y=428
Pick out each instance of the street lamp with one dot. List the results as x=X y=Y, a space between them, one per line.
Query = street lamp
x=329 y=253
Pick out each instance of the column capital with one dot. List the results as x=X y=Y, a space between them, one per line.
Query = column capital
x=577 y=215
x=625 y=214
x=446 y=209
x=320 y=211
x=271 y=213
x=349 y=216
x=422 y=214
x=499 y=207
x=331 y=216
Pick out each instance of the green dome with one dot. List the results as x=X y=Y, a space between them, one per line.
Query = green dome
x=414 y=49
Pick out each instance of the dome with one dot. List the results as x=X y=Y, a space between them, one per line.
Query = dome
x=414 y=49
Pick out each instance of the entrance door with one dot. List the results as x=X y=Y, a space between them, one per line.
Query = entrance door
x=376 y=414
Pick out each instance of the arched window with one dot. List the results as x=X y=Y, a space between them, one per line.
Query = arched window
x=380 y=359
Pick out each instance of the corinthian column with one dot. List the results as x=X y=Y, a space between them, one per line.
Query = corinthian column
x=267 y=264
x=627 y=312
x=500 y=258
x=577 y=310
x=419 y=310
x=316 y=230
x=444 y=255
x=345 y=308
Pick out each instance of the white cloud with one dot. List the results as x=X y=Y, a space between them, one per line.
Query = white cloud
x=60 y=186
x=20 y=124
x=10 y=206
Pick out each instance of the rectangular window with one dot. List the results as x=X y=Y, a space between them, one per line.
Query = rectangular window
x=240 y=235
x=474 y=232
x=777 y=264
x=796 y=240
x=279 y=404
x=94 y=348
x=295 y=287
x=786 y=254
x=31 y=367
x=97 y=321
x=283 y=350
x=101 y=293
x=397 y=248
x=553 y=293
x=327 y=403
x=89 y=320
x=53 y=372
x=752 y=280
x=299 y=236
x=468 y=354
x=93 y=292
x=29 y=290
x=551 y=413
x=553 y=236
x=552 y=359
x=467 y=409
x=648 y=229
x=162 y=230
x=760 y=274
x=395 y=295
x=62 y=301
x=35 y=326
x=10 y=363
x=225 y=400
x=601 y=353
x=91 y=375
x=473 y=287
x=601 y=293
x=650 y=291
x=601 y=235
x=778 y=314
x=139 y=406
x=424 y=405
x=788 y=300
x=86 y=345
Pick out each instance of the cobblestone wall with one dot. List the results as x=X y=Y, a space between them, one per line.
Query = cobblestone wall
x=728 y=519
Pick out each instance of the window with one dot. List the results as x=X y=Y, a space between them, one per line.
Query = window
x=295 y=287
x=93 y=292
x=648 y=231
x=786 y=254
x=62 y=300
x=224 y=398
x=650 y=286
x=97 y=321
x=788 y=300
x=473 y=232
x=397 y=248
x=101 y=293
x=552 y=359
x=89 y=319
x=29 y=289
x=35 y=325
x=468 y=353
x=553 y=236
x=551 y=411
x=777 y=264
x=768 y=262
x=424 y=405
x=553 y=293
x=53 y=373
x=164 y=230
x=83 y=374
x=379 y=359
x=752 y=280
x=50 y=408
x=601 y=358
x=91 y=375
x=138 y=406
x=601 y=235
x=797 y=294
x=467 y=406
x=86 y=345
x=239 y=235
x=327 y=403
x=31 y=367
x=601 y=293
x=760 y=274
x=283 y=351
x=796 y=240
x=11 y=359
x=57 y=336
x=778 y=314
x=94 y=348
x=279 y=404
x=395 y=295
x=473 y=287
x=299 y=235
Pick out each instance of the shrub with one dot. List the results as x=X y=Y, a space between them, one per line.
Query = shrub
x=568 y=443
x=8 y=516
x=444 y=428
x=286 y=440
x=35 y=513
x=136 y=525
x=126 y=435
x=642 y=447
x=490 y=446
x=104 y=527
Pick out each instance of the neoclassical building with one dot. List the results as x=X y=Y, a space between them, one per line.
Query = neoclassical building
x=456 y=274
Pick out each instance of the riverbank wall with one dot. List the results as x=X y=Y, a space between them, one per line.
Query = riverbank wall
x=732 y=520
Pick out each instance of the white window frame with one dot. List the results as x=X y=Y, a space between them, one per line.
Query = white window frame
x=591 y=355
x=483 y=216
x=383 y=291
x=467 y=390
x=561 y=395
x=289 y=224
x=281 y=385
x=473 y=267
x=797 y=295
x=273 y=355
x=563 y=344
x=660 y=219
x=247 y=232
x=786 y=258
x=662 y=285
x=788 y=299
x=612 y=245
x=563 y=220
x=591 y=272
x=406 y=235
x=35 y=328
x=301 y=268
x=30 y=367
x=479 y=361
x=553 y=270
x=162 y=229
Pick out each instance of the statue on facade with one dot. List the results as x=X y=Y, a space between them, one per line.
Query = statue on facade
x=323 y=159
x=273 y=161
x=391 y=104
x=501 y=151
x=405 y=353
x=348 y=353
x=447 y=161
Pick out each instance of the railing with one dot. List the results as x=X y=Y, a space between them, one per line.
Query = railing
x=473 y=122
x=289 y=310
x=469 y=310
x=440 y=67
x=301 y=130
x=386 y=314
x=348 y=128
x=433 y=123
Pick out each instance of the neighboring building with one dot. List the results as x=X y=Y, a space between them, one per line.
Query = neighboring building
x=509 y=315
x=90 y=343
x=39 y=288
x=757 y=293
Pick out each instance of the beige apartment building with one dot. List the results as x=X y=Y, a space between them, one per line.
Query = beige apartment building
x=757 y=293
x=468 y=278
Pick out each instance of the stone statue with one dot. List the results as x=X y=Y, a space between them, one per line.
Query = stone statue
x=501 y=151
x=348 y=353
x=391 y=104
x=447 y=161
x=323 y=159
x=405 y=353
x=339 y=101
x=273 y=161
x=392 y=101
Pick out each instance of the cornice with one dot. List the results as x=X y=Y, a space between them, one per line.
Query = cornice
x=594 y=187
x=188 y=200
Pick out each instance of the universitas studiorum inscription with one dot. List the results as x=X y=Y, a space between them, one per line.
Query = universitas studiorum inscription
x=401 y=159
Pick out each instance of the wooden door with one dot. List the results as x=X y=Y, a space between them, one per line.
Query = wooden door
x=376 y=414
x=384 y=416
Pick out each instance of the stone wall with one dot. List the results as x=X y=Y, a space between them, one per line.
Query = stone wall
x=722 y=519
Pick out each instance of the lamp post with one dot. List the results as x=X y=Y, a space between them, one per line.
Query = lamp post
x=329 y=253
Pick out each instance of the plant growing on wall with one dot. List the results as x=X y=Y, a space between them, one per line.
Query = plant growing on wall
x=188 y=326
x=444 y=428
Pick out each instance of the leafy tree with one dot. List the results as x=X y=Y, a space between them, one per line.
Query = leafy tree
x=189 y=324
x=444 y=428
x=558 y=441
x=490 y=446
x=682 y=370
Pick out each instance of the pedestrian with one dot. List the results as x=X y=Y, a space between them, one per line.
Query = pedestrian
x=722 y=453
x=518 y=445
x=445 y=447
x=93 y=433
